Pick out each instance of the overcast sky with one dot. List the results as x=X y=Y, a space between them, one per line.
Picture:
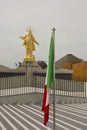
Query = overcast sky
x=69 y=17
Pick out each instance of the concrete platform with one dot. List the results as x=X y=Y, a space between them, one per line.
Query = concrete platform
x=36 y=98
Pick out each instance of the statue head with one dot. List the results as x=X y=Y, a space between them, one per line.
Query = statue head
x=28 y=30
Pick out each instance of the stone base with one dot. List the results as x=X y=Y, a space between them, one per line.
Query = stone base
x=29 y=59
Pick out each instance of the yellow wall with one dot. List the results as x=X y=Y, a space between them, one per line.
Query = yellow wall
x=80 y=70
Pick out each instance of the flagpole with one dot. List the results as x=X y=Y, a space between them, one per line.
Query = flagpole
x=54 y=85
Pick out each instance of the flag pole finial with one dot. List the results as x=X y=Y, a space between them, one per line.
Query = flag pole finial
x=53 y=29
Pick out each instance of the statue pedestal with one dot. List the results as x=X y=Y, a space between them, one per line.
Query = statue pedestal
x=29 y=59
x=28 y=74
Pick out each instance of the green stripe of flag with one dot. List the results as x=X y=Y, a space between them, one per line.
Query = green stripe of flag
x=50 y=71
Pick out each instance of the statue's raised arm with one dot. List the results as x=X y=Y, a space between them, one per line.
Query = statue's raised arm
x=33 y=39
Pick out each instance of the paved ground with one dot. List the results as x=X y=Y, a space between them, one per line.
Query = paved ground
x=30 y=117
x=23 y=112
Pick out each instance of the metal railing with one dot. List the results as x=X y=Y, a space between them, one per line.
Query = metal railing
x=64 y=87
x=19 y=84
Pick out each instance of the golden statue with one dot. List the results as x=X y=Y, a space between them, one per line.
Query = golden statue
x=29 y=43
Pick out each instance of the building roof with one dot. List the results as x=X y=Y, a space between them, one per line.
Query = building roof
x=4 y=68
x=22 y=67
x=66 y=59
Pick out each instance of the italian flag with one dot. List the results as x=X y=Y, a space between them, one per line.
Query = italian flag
x=49 y=80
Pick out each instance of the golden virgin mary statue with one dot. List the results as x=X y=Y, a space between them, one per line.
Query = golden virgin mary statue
x=29 y=43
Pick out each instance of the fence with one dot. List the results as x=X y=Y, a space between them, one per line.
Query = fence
x=19 y=84
x=63 y=86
